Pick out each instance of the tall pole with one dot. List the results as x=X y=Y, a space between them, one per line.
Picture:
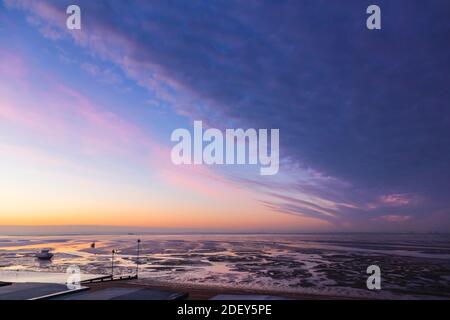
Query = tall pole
x=137 y=260
x=112 y=262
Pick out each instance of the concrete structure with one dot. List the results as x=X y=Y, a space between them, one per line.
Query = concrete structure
x=123 y=294
x=241 y=297
x=32 y=291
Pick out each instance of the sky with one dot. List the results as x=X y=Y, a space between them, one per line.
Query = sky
x=86 y=115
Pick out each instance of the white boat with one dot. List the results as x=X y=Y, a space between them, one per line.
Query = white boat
x=44 y=255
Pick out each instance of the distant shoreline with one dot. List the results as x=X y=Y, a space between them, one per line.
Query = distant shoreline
x=150 y=233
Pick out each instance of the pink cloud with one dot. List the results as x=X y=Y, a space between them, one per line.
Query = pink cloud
x=12 y=66
x=64 y=117
x=199 y=179
x=398 y=199
x=395 y=200
x=103 y=75
x=395 y=218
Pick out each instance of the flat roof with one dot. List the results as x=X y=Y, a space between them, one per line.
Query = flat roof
x=244 y=297
x=28 y=291
x=123 y=294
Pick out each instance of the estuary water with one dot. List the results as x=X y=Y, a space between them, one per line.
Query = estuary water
x=412 y=265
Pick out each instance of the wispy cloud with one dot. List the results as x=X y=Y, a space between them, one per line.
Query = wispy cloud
x=396 y=218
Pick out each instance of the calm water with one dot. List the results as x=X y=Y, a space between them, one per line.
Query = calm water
x=412 y=265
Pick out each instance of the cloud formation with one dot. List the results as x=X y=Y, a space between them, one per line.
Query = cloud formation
x=364 y=113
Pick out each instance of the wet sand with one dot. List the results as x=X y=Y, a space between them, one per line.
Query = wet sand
x=300 y=266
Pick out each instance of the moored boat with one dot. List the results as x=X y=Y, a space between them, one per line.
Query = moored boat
x=45 y=254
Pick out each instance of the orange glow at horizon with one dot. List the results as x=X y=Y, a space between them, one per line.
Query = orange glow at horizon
x=165 y=219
